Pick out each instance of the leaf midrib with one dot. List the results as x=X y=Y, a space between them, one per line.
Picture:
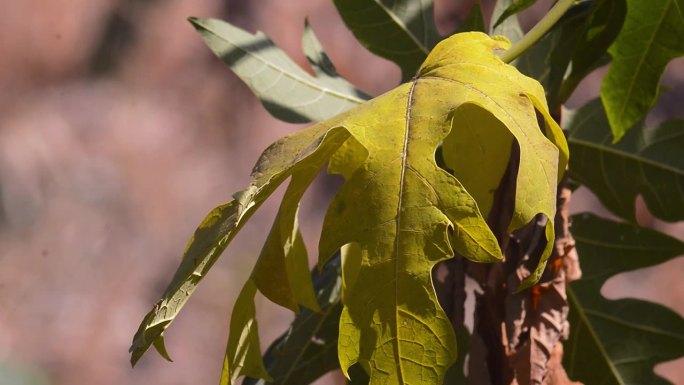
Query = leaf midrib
x=592 y=333
x=632 y=156
x=404 y=157
x=626 y=247
x=632 y=325
x=283 y=71
x=316 y=329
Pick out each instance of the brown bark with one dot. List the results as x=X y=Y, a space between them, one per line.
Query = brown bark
x=518 y=334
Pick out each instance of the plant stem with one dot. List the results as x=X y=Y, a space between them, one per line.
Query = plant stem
x=537 y=31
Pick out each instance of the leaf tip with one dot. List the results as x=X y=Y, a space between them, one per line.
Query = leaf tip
x=195 y=21
x=161 y=348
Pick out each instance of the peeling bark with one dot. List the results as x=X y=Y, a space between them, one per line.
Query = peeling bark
x=518 y=335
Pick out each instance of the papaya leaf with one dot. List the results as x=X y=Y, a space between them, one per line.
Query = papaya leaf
x=309 y=348
x=402 y=31
x=287 y=91
x=394 y=218
x=395 y=208
x=301 y=153
x=646 y=161
x=652 y=35
x=515 y=7
x=618 y=341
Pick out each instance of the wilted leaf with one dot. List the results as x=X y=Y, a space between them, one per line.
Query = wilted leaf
x=396 y=216
x=620 y=341
x=287 y=91
x=395 y=205
x=402 y=31
x=515 y=7
x=309 y=348
x=301 y=154
x=646 y=162
x=653 y=34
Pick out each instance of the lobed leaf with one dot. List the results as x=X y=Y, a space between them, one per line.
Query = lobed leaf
x=653 y=34
x=618 y=341
x=646 y=162
x=398 y=205
x=396 y=216
x=300 y=154
x=287 y=91
x=402 y=31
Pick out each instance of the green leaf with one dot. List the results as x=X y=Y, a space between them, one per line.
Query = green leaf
x=301 y=154
x=653 y=34
x=474 y=20
x=575 y=46
x=396 y=216
x=510 y=27
x=583 y=45
x=515 y=7
x=402 y=31
x=323 y=67
x=243 y=341
x=618 y=341
x=287 y=91
x=647 y=161
x=309 y=348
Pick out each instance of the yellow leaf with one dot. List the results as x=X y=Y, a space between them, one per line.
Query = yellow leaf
x=397 y=214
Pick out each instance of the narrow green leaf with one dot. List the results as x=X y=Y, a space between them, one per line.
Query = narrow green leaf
x=575 y=46
x=323 y=67
x=287 y=91
x=653 y=34
x=515 y=7
x=474 y=20
x=583 y=45
x=535 y=62
x=309 y=348
x=618 y=341
x=647 y=161
x=402 y=31
x=510 y=27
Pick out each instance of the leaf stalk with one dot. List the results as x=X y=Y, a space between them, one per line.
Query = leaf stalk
x=536 y=33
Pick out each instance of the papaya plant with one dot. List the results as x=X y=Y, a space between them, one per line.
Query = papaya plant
x=460 y=172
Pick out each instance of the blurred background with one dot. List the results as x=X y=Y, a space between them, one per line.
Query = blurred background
x=119 y=131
